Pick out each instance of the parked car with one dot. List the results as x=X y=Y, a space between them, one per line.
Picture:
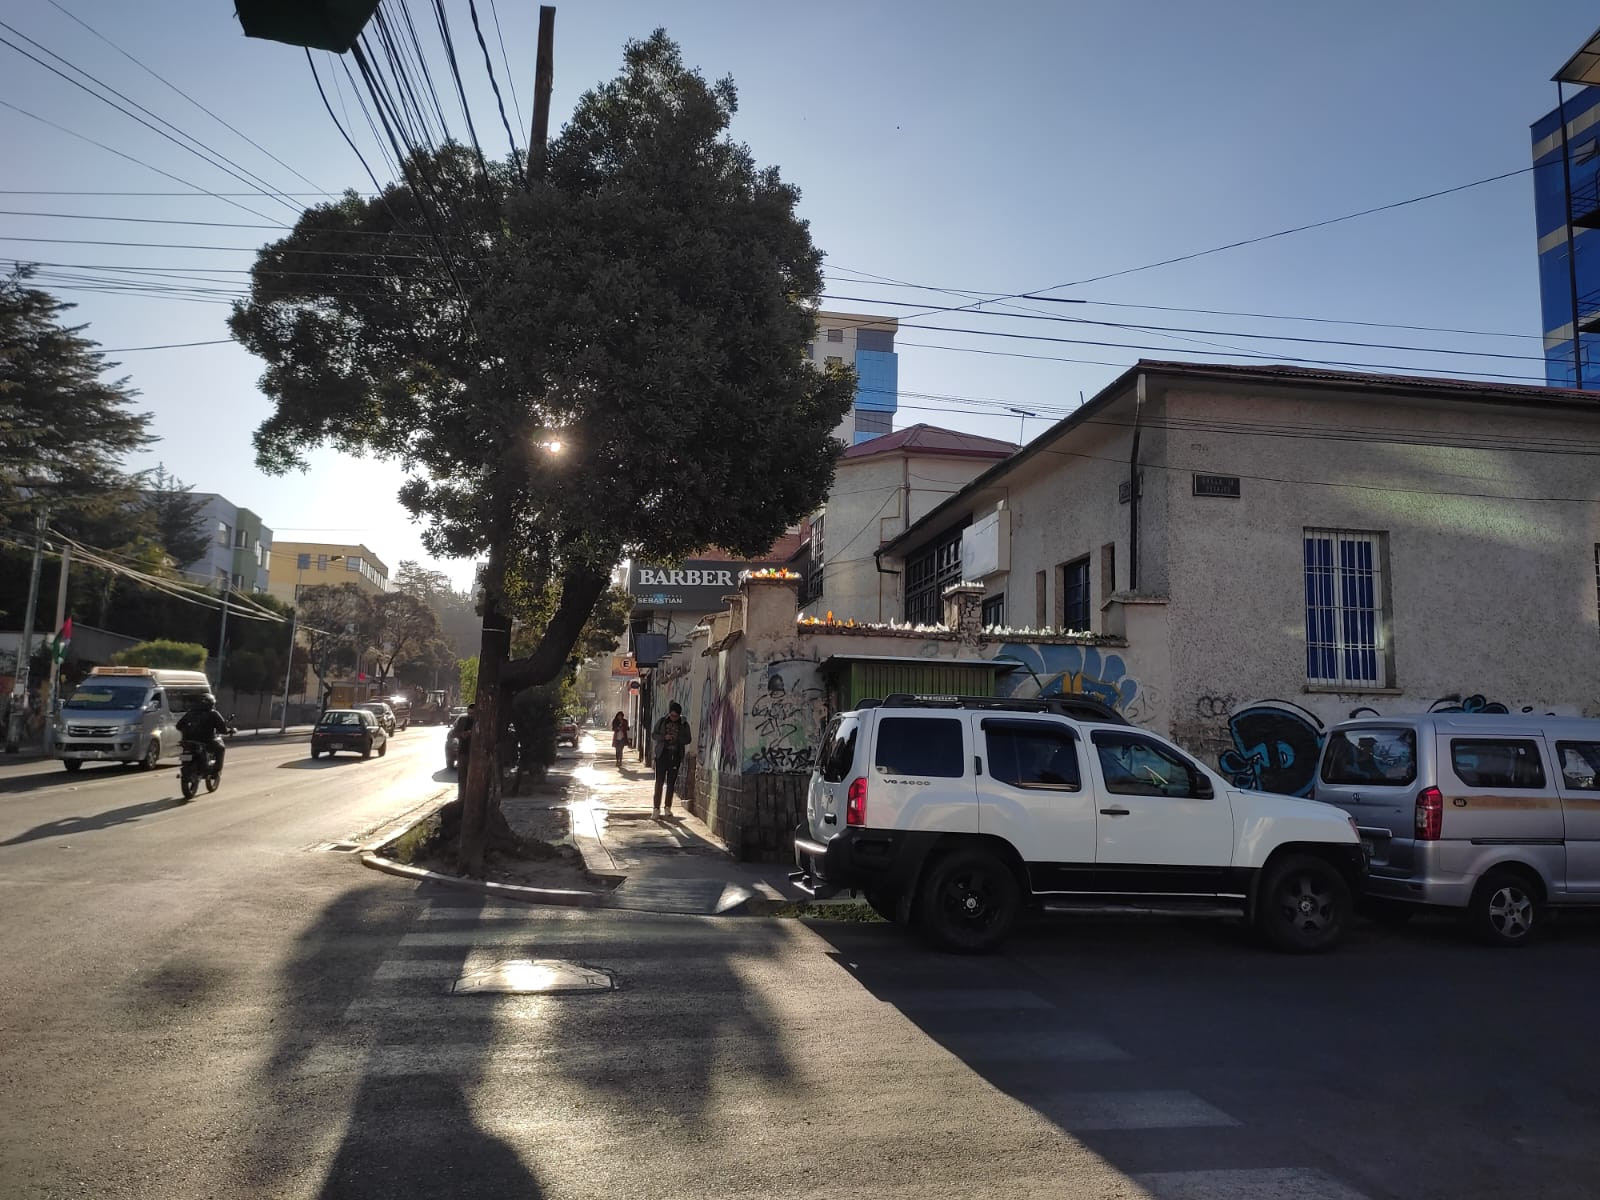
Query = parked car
x=348 y=729
x=382 y=711
x=452 y=744
x=1493 y=815
x=567 y=731
x=951 y=814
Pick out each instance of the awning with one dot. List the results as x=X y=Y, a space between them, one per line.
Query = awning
x=1584 y=66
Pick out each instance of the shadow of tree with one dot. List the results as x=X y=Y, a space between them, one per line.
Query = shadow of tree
x=413 y=1134
x=66 y=826
x=59 y=778
x=326 y=763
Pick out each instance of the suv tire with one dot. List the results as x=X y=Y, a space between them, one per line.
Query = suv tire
x=968 y=901
x=889 y=905
x=1303 y=906
x=1506 y=909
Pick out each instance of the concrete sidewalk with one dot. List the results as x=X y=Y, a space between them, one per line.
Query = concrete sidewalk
x=661 y=864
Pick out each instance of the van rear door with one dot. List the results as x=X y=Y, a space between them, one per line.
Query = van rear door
x=1371 y=771
x=1497 y=791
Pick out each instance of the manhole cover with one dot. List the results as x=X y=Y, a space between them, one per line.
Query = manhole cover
x=525 y=975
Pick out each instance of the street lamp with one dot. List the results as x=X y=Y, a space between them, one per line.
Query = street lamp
x=301 y=562
x=1022 y=423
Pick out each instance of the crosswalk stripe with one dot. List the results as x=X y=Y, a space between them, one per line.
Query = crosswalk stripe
x=1087 y=1112
x=1248 y=1183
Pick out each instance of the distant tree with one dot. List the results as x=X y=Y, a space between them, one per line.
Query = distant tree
x=246 y=671
x=333 y=618
x=467 y=674
x=180 y=656
x=176 y=518
x=401 y=624
x=424 y=583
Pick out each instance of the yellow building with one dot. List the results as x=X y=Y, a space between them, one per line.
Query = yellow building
x=304 y=564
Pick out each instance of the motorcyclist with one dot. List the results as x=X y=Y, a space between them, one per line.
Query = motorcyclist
x=205 y=725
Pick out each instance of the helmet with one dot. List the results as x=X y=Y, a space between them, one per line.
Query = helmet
x=207 y=703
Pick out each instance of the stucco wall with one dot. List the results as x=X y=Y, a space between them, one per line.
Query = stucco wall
x=1492 y=592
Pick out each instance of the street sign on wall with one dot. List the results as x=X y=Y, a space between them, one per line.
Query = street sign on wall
x=696 y=585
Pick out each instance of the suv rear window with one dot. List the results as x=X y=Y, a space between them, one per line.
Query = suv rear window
x=838 y=749
x=1032 y=754
x=923 y=747
x=1497 y=762
x=1371 y=756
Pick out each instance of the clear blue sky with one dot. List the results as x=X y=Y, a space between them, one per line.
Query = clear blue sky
x=1003 y=148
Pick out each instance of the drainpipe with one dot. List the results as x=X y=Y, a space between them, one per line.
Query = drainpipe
x=1572 y=252
x=1133 y=487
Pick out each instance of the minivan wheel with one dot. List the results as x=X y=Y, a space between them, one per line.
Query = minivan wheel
x=72 y=764
x=1506 y=909
x=152 y=756
x=968 y=902
x=1304 y=905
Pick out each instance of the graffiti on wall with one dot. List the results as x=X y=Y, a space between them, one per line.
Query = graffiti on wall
x=1276 y=743
x=721 y=701
x=786 y=718
x=1069 y=670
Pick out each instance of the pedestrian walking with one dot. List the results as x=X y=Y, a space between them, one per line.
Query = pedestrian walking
x=619 y=735
x=463 y=732
x=670 y=737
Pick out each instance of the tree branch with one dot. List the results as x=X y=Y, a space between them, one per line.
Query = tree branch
x=580 y=588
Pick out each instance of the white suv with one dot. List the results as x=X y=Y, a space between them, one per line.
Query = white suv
x=951 y=813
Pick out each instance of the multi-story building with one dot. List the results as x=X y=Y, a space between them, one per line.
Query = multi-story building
x=301 y=564
x=240 y=552
x=867 y=344
x=1263 y=550
x=880 y=489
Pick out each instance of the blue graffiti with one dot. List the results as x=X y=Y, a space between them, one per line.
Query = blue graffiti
x=1275 y=748
x=1469 y=704
x=1067 y=671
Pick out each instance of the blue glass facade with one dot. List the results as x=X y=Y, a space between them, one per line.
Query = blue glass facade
x=877 y=390
x=1550 y=214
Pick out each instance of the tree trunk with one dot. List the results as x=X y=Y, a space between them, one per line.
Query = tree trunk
x=482 y=756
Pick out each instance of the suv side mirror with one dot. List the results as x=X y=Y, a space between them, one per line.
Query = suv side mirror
x=1200 y=786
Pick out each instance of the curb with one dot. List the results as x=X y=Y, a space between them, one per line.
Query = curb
x=509 y=891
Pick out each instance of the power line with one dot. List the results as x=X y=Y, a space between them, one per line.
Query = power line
x=232 y=249
x=455 y=73
x=242 y=174
x=168 y=83
x=165 y=346
x=140 y=162
x=511 y=77
x=516 y=156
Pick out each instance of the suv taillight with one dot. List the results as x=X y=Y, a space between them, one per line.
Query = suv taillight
x=855 y=805
x=1430 y=814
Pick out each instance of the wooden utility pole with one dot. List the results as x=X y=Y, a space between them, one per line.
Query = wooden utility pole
x=544 y=79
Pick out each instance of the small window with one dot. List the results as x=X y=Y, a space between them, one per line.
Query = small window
x=1033 y=754
x=352 y=564
x=322 y=562
x=833 y=360
x=838 y=753
x=1075 y=594
x=1139 y=766
x=811 y=350
x=922 y=747
x=994 y=611
x=302 y=562
x=1040 y=619
x=1374 y=757
x=224 y=534
x=835 y=335
x=1580 y=765
x=1497 y=762
x=873 y=422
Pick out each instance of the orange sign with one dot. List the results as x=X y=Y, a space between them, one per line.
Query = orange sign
x=624 y=666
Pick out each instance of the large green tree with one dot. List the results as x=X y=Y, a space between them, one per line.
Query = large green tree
x=402 y=626
x=609 y=361
x=335 y=620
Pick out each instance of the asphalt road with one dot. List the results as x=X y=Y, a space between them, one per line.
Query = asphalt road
x=196 y=1003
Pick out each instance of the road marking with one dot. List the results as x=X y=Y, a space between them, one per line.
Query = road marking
x=1260 y=1183
x=1095 y=1111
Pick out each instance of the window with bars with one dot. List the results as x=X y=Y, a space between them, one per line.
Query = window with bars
x=835 y=335
x=928 y=574
x=1075 y=594
x=1345 y=618
x=814 y=571
x=994 y=611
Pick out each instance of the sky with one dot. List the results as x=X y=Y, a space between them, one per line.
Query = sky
x=1008 y=149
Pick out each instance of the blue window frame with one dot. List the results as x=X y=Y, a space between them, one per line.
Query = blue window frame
x=1345 y=625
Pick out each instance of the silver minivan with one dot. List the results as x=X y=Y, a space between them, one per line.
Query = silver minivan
x=125 y=714
x=1498 y=815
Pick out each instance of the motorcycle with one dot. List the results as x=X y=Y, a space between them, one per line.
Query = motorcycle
x=196 y=766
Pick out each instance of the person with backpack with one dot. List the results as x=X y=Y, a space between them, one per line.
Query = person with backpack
x=670 y=738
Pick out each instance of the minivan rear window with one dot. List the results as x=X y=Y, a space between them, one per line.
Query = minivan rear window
x=1497 y=762
x=838 y=749
x=1371 y=756
x=1580 y=765
x=924 y=747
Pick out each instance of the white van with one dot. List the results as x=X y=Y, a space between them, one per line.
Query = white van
x=952 y=813
x=126 y=714
x=1494 y=814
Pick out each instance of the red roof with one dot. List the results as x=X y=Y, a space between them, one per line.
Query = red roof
x=930 y=439
x=780 y=551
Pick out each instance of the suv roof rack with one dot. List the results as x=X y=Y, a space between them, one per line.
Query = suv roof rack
x=1078 y=707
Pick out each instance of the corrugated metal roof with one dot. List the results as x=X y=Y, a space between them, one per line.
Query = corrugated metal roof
x=931 y=439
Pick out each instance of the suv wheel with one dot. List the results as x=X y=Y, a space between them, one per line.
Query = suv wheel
x=1304 y=905
x=1506 y=909
x=967 y=901
x=887 y=904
